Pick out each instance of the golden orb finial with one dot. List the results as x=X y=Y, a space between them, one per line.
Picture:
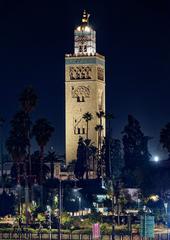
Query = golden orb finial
x=85 y=17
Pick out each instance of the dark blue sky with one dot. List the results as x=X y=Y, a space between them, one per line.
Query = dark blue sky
x=133 y=35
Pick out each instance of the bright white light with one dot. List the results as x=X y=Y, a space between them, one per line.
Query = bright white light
x=156 y=158
x=87 y=29
x=48 y=208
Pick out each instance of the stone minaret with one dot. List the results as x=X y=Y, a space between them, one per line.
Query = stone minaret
x=84 y=88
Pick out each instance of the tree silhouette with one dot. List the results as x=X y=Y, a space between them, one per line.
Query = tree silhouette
x=117 y=161
x=42 y=131
x=165 y=137
x=87 y=117
x=85 y=158
x=7 y=204
x=18 y=141
x=52 y=158
x=36 y=167
x=132 y=137
x=99 y=128
x=136 y=154
x=107 y=147
x=80 y=166
x=100 y=115
x=28 y=101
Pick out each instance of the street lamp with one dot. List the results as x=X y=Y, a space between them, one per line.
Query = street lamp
x=79 y=199
x=19 y=192
x=166 y=213
x=60 y=209
x=49 y=212
x=76 y=191
x=156 y=158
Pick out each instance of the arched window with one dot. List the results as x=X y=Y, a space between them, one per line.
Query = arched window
x=80 y=99
x=83 y=131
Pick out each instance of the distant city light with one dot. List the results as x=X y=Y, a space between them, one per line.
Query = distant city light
x=156 y=158
x=154 y=198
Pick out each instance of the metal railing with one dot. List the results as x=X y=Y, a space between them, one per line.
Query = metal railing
x=73 y=236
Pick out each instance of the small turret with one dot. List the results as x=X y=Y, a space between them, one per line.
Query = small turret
x=84 y=37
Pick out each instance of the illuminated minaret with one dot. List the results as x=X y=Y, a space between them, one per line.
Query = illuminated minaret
x=84 y=37
x=84 y=88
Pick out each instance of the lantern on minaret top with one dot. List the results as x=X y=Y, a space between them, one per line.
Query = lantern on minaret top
x=84 y=37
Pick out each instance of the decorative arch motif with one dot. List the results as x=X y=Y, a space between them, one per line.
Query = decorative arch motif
x=100 y=73
x=81 y=91
x=100 y=99
x=81 y=72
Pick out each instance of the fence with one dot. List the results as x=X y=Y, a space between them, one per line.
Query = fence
x=73 y=236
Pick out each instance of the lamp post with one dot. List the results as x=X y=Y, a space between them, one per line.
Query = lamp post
x=60 y=208
x=76 y=191
x=79 y=199
x=26 y=199
x=19 y=192
x=49 y=211
x=166 y=214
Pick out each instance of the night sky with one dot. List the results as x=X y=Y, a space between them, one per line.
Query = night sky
x=133 y=35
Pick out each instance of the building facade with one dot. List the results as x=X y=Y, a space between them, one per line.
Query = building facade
x=84 y=89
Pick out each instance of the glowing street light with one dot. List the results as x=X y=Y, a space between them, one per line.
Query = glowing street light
x=49 y=210
x=156 y=158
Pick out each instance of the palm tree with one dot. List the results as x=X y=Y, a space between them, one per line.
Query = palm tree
x=36 y=167
x=100 y=115
x=17 y=142
x=109 y=117
x=80 y=165
x=87 y=117
x=28 y=101
x=90 y=157
x=52 y=158
x=99 y=129
x=108 y=141
x=42 y=131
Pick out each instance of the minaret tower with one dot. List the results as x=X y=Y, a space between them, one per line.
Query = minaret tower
x=84 y=88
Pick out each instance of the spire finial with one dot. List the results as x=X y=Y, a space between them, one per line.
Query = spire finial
x=85 y=17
